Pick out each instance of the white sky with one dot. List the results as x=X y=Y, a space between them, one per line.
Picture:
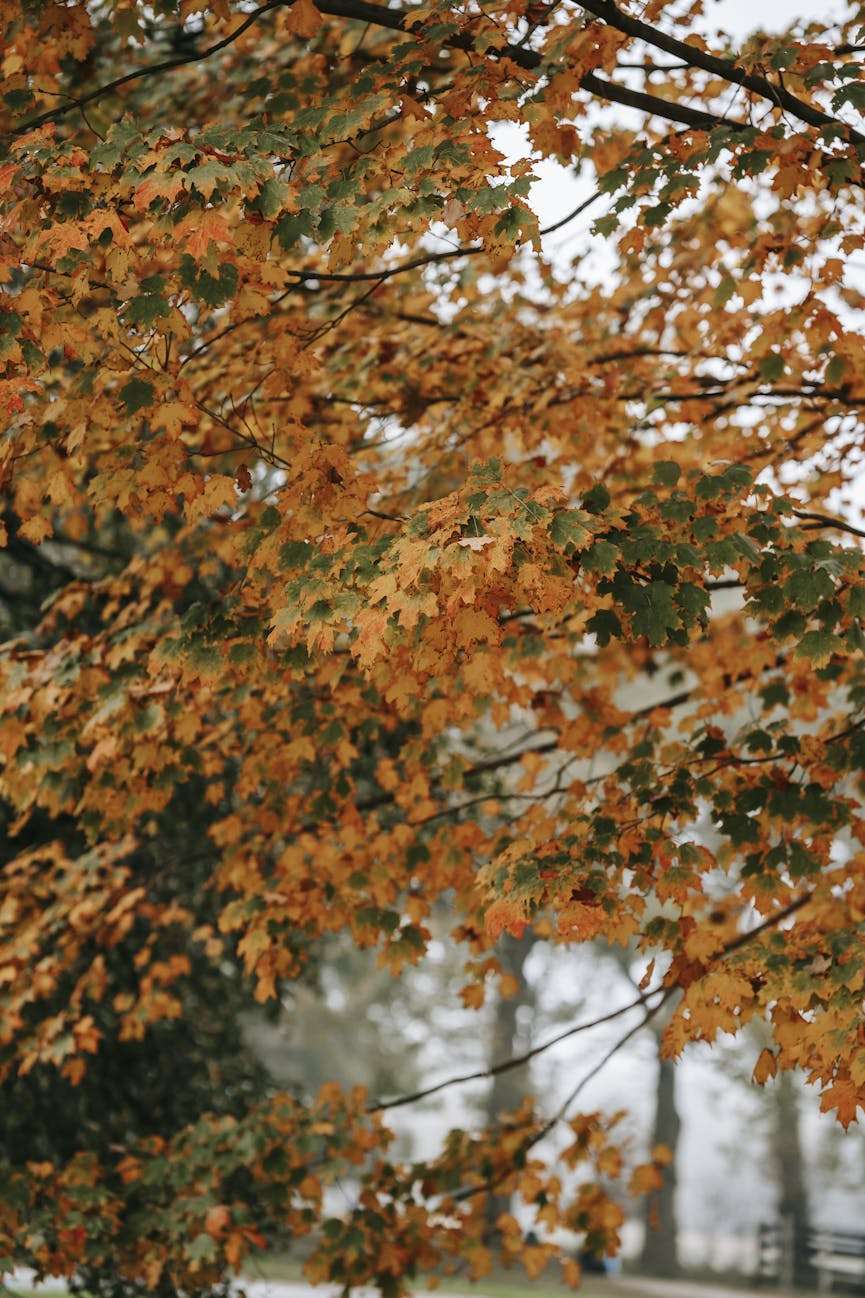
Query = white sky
x=740 y=17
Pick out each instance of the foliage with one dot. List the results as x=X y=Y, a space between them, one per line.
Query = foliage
x=339 y=520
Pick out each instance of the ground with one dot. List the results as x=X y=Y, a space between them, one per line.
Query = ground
x=281 y=1279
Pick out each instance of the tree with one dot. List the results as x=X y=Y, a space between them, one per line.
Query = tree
x=790 y=1172
x=507 y=1040
x=660 y=1254
x=774 y=1118
x=321 y=482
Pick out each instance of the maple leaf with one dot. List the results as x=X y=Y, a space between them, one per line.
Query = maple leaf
x=844 y=1098
x=765 y=1067
x=36 y=529
x=381 y=578
x=302 y=18
x=217 y=1220
x=136 y=394
x=505 y=917
x=645 y=1178
x=370 y=637
x=217 y=493
x=201 y=229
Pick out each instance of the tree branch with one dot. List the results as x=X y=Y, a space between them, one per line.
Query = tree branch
x=149 y=70
x=824 y=520
x=517 y=1061
x=609 y=12
x=395 y=20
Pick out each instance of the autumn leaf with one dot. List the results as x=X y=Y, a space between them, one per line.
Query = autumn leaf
x=202 y=229
x=368 y=597
x=476 y=543
x=217 y=1220
x=844 y=1098
x=505 y=917
x=765 y=1067
x=302 y=18
x=645 y=1178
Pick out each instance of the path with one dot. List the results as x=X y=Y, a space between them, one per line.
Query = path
x=678 y=1288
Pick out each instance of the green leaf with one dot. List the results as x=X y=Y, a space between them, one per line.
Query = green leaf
x=604 y=625
x=772 y=367
x=292 y=226
x=202 y=1248
x=807 y=587
x=146 y=309
x=340 y=217
x=653 y=611
x=597 y=499
x=568 y=529
x=213 y=290
x=209 y=176
x=666 y=472
x=272 y=197
x=602 y=557
x=819 y=646
x=136 y=394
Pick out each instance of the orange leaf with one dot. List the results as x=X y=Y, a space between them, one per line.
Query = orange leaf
x=765 y=1067
x=217 y=1219
x=505 y=917
x=303 y=19
x=645 y=1178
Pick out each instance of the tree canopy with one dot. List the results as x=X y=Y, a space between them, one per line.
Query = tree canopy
x=342 y=524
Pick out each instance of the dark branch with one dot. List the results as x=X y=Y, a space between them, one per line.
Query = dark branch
x=610 y=13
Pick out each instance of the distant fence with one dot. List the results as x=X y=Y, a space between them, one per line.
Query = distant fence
x=831 y=1261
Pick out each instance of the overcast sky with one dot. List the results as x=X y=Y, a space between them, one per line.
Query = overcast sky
x=742 y=16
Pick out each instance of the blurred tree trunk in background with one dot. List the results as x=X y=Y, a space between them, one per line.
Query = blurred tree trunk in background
x=787 y=1152
x=788 y=1158
x=509 y=1037
x=660 y=1254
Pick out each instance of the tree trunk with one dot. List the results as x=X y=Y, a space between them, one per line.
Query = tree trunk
x=789 y=1163
x=660 y=1251
x=508 y=1038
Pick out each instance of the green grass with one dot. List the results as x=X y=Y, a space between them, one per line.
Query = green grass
x=17 y=1292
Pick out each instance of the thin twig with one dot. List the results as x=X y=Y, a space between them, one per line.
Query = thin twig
x=516 y=1062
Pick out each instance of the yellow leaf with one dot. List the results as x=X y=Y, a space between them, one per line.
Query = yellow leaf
x=218 y=492
x=473 y=996
x=662 y=1155
x=371 y=624
x=765 y=1067
x=36 y=530
x=535 y=1259
x=645 y=1179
